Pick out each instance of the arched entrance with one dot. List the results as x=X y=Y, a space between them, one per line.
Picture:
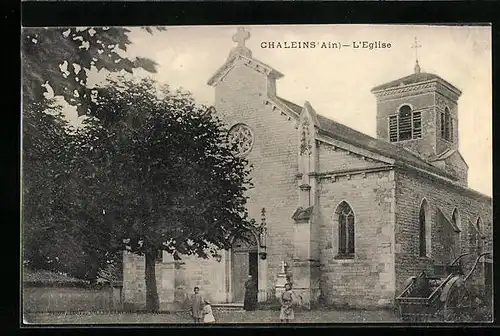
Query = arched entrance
x=244 y=262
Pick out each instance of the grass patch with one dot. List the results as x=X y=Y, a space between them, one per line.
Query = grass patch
x=222 y=317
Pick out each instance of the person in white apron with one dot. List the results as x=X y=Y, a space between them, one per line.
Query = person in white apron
x=208 y=316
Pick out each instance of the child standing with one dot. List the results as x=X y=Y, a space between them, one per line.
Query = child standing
x=208 y=314
x=286 y=300
x=197 y=306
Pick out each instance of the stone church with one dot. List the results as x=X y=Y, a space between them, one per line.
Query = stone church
x=345 y=217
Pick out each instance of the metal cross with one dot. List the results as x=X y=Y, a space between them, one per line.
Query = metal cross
x=416 y=46
x=241 y=36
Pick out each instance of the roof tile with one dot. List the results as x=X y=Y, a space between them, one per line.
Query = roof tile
x=411 y=79
x=346 y=134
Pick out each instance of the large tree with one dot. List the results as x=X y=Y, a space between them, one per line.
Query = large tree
x=161 y=168
x=58 y=234
x=46 y=141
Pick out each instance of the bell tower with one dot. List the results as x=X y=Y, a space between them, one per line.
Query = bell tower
x=419 y=112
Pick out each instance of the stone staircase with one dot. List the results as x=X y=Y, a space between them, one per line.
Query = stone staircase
x=227 y=306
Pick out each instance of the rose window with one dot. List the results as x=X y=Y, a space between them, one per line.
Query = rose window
x=242 y=138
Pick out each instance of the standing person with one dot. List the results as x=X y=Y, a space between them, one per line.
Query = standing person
x=197 y=306
x=207 y=312
x=250 y=301
x=286 y=300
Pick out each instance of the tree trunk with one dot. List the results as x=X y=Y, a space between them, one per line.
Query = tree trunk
x=152 y=302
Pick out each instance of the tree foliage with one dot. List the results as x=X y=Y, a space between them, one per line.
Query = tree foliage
x=45 y=135
x=167 y=174
x=62 y=58
x=162 y=170
x=148 y=171
x=58 y=232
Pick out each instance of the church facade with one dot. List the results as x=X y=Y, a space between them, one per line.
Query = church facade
x=345 y=217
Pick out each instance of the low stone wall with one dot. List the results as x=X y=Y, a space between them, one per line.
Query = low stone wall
x=68 y=299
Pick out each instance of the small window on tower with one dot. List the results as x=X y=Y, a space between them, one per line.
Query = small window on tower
x=446 y=125
x=405 y=125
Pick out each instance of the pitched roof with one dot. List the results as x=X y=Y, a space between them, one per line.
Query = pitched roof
x=413 y=79
x=478 y=230
x=445 y=154
x=447 y=220
x=346 y=134
x=294 y=107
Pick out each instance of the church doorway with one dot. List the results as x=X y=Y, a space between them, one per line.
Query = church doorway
x=244 y=262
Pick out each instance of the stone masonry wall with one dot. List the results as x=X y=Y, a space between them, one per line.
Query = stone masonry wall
x=134 y=283
x=411 y=188
x=175 y=280
x=340 y=160
x=239 y=98
x=422 y=102
x=207 y=274
x=368 y=279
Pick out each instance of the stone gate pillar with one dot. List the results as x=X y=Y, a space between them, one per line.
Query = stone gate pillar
x=305 y=272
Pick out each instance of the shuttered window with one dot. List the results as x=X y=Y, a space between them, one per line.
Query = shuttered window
x=446 y=125
x=393 y=128
x=406 y=125
x=417 y=125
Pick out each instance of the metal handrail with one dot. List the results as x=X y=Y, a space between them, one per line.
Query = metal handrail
x=433 y=293
x=441 y=285
x=475 y=264
x=458 y=258
x=407 y=288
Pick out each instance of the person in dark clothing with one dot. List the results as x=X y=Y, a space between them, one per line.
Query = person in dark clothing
x=250 y=301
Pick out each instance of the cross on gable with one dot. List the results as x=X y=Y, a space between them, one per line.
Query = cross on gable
x=241 y=36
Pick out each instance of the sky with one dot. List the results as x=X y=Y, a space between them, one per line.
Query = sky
x=337 y=82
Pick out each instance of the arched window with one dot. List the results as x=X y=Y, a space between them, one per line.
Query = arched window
x=446 y=125
x=455 y=220
x=345 y=218
x=422 y=230
x=479 y=241
x=404 y=128
x=405 y=125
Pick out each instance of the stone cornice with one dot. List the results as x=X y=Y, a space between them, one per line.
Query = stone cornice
x=455 y=185
x=448 y=92
x=349 y=172
x=416 y=88
x=285 y=110
x=241 y=59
